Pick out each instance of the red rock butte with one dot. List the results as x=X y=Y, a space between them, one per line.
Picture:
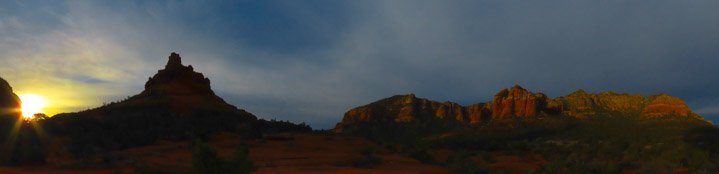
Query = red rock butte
x=177 y=88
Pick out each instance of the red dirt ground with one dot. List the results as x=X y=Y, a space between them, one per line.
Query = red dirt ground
x=301 y=153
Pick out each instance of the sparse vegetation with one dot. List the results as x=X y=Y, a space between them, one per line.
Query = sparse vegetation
x=460 y=162
x=206 y=161
x=422 y=155
x=600 y=145
x=368 y=158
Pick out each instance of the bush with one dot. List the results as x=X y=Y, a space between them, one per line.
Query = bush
x=423 y=156
x=368 y=159
x=461 y=163
x=206 y=161
x=240 y=162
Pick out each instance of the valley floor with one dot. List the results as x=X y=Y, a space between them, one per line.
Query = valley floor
x=286 y=153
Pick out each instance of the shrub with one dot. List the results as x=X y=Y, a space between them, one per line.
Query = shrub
x=206 y=161
x=423 y=156
x=240 y=163
x=368 y=159
x=461 y=163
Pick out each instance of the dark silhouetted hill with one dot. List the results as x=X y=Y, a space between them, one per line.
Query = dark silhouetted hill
x=177 y=103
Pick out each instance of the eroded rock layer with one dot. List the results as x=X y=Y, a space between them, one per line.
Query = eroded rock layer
x=517 y=103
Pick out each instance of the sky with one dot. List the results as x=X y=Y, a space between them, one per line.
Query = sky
x=312 y=61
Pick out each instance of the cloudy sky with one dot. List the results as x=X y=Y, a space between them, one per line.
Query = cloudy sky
x=311 y=61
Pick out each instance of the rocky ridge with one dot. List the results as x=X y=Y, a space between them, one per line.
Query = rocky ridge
x=517 y=103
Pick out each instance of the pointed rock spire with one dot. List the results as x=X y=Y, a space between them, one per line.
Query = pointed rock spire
x=177 y=79
x=174 y=62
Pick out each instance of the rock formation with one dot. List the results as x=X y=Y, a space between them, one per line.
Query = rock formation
x=177 y=79
x=177 y=103
x=664 y=105
x=517 y=103
x=182 y=89
x=583 y=105
x=9 y=102
x=478 y=112
x=179 y=90
x=408 y=108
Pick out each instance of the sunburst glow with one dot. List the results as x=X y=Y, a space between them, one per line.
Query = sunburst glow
x=32 y=104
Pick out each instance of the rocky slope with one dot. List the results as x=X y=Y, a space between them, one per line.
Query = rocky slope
x=516 y=103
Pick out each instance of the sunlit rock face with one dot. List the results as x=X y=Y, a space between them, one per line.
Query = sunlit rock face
x=665 y=105
x=408 y=108
x=583 y=105
x=478 y=112
x=9 y=102
x=400 y=108
x=517 y=102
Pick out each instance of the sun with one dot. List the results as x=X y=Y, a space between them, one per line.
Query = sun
x=32 y=104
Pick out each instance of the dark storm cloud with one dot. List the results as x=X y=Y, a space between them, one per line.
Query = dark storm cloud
x=313 y=61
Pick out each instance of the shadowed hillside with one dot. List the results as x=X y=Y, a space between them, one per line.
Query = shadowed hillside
x=177 y=103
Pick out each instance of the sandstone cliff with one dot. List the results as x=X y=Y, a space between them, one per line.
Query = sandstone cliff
x=516 y=103
x=409 y=108
x=583 y=105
